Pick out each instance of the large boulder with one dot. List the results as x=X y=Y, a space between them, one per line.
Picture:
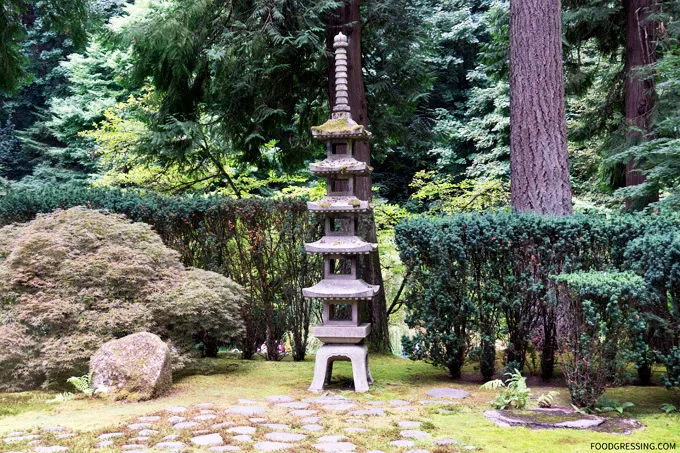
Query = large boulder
x=136 y=367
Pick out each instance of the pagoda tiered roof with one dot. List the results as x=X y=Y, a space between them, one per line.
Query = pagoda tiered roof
x=341 y=244
x=339 y=204
x=337 y=128
x=340 y=289
x=339 y=165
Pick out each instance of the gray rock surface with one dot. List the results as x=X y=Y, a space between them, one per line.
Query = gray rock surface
x=414 y=434
x=184 y=425
x=170 y=446
x=225 y=448
x=139 y=365
x=285 y=437
x=279 y=399
x=52 y=449
x=332 y=447
x=312 y=427
x=207 y=440
x=242 y=430
x=402 y=443
x=272 y=446
x=108 y=436
x=408 y=424
x=247 y=410
x=446 y=392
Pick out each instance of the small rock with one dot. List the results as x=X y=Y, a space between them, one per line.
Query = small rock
x=257 y=420
x=340 y=407
x=171 y=437
x=402 y=443
x=109 y=436
x=310 y=419
x=139 y=426
x=334 y=399
x=272 y=446
x=414 y=434
x=246 y=410
x=149 y=418
x=222 y=425
x=203 y=418
x=242 y=430
x=404 y=408
x=243 y=438
x=355 y=420
x=105 y=443
x=409 y=424
x=279 y=399
x=303 y=413
x=330 y=439
x=176 y=419
x=184 y=425
x=208 y=440
x=201 y=431
x=448 y=393
x=581 y=424
x=147 y=432
x=285 y=437
x=278 y=426
x=335 y=447
x=429 y=402
x=312 y=427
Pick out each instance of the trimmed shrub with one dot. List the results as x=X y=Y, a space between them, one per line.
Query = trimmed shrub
x=257 y=242
x=598 y=326
x=74 y=279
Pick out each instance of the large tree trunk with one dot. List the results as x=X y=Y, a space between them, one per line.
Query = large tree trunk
x=348 y=20
x=639 y=97
x=539 y=163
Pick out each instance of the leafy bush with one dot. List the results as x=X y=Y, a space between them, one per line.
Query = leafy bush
x=595 y=334
x=257 y=242
x=74 y=279
x=514 y=392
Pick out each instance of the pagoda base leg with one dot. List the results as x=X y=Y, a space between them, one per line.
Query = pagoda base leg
x=357 y=354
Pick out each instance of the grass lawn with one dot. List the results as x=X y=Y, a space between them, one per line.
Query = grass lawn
x=225 y=380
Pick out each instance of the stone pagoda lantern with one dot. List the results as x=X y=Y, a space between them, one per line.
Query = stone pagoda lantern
x=340 y=290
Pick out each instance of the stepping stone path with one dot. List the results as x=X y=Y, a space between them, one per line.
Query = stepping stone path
x=294 y=405
x=184 y=425
x=110 y=436
x=335 y=447
x=257 y=420
x=402 y=443
x=242 y=430
x=312 y=427
x=55 y=449
x=279 y=426
x=399 y=402
x=149 y=419
x=445 y=441
x=414 y=434
x=225 y=448
x=170 y=445
x=285 y=437
x=209 y=440
x=139 y=426
x=330 y=439
x=304 y=413
x=247 y=410
x=448 y=393
x=54 y=428
x=310 y=419
x=176 y=419
x=243 y=438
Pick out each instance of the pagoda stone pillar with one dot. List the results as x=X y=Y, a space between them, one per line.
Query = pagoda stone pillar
x=340 y=290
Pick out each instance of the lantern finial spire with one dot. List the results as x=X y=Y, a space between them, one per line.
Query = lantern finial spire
x=341 y=108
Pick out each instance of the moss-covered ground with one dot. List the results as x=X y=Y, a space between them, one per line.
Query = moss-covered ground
x=223 y=381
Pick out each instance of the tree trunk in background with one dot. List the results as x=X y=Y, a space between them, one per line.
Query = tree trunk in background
x=639 y=97
x=348 y=20
x=539 y=163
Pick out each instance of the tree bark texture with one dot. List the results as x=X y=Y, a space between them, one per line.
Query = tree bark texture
x=539 y=163
x=639 y=97
x=348 y=20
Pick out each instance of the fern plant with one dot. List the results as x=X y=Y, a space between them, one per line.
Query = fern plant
x=62 y=397
x=513 y=392
x=546 y=399
x=82 y=384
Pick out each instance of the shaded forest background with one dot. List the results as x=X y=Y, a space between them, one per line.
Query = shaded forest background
x=179 y=96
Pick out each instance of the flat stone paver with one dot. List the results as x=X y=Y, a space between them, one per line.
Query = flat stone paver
x=277 y=426
x=313 y=427
x=53 y=449
x=170 y=445
x=104 y=443
x=133 y=447
x=430 y=402
x=414 y=434
x=171 y=437
x=408 y=424
x=257 y=420
x=377 y=411
x=242 y=430
x=184 y=425
x=329 y=439
x=356 y=430
x=139 y=426
x=243 y=438
x=404 y=408
x=402 y=443
x=149 y=418
x=139 y=439
x=303 y=413
x=294 y=405
x=285 y=437
x=176 y=419
x=445 y=392
x=310 y=419
x=247 y=410
x=222 y=425
x=445 y=441
x=280 y=399
x=147 y=432
x=399 y=402
x=225 y=448
x=203 y=418
x=272 y=446
x=108 y=436
x=340 y=407
x=176 y=409
x=13 y=439
x=207 y=440
x=418 y=450
x=335 y=447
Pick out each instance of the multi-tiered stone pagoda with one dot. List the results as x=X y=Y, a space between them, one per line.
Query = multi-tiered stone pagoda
x=341 y=291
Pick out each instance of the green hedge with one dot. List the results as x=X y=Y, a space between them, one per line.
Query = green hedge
x=257 y=242
x=475 y=278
